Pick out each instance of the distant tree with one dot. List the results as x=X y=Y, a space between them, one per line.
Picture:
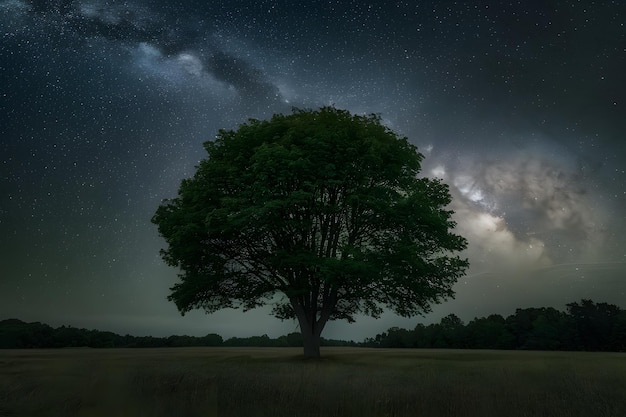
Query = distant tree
x=211 y=339
x=148 y=342
x=294 y=339
x=551 y=330
x=452 y=332
x=337 y=342
x=181 y=341
x=320 y=213
x=489 y=333
x=424 y=336
x=100 y=339
x=396 y=337
x=618 y=336
x=262 y=341
x=12 y=333
x=256 y=341
x=521 y=326
x=595 y=324
x=16 y=334
x=70 y=337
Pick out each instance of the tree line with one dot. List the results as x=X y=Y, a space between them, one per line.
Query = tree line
x=585 y=325
x=16 y=334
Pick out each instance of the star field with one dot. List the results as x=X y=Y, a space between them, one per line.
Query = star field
x=104 y=106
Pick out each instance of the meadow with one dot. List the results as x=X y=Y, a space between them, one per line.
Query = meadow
x=362 y=382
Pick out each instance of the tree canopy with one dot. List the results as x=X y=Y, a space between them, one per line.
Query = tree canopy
x=321 y=214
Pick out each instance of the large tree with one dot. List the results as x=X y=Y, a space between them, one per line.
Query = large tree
x=319 y=213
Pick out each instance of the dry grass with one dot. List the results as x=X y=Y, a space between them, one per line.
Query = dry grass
x=252 y=382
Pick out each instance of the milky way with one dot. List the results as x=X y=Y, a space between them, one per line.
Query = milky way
x=104 y=106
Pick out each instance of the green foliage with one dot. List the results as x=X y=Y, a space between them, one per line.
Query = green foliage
x=325 y=209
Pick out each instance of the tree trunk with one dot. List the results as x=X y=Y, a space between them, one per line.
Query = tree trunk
x=310 y=325
x=310 y=337
x=311 y=343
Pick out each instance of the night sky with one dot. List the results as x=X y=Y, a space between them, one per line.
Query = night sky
x=519 y=106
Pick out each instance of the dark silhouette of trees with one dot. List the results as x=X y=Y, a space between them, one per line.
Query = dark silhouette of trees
x=16 y=334
x=319 y=213
x=488 y=333
x=585 y=326
x=183 y=341
x=540 y=329
x=71 y=337
x=597 y=325
x=424 y=336
x=292 y=339
x=618 y=336
x=19 y=335
x=451 y=332
x=396 y=337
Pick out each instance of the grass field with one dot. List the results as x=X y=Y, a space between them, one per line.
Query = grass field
x=252 y=382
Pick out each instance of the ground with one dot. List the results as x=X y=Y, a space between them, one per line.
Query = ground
x=279 y=382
